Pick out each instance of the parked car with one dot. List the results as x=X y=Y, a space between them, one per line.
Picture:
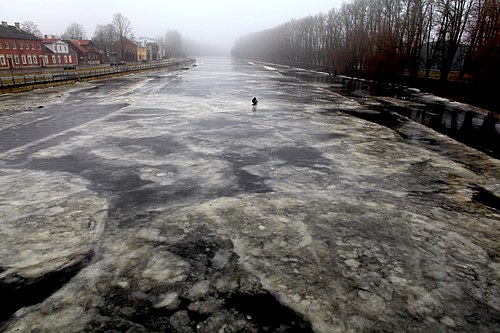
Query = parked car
x=69 y=67
x=117 y=63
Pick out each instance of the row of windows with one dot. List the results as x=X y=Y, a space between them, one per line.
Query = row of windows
x=67 y=59
x=22 y=46
x=26 y=59
x=29 y=59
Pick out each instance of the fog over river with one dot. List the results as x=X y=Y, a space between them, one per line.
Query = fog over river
x=166 y=202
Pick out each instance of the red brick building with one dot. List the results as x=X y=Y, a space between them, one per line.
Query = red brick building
x=130 y=50
x=19 y=49
x=87 y=52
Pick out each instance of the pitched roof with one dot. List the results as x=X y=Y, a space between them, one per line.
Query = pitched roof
x=46 y=50
x=11 y=31
x=82 y=45
x=85 y=42
x=76 y=43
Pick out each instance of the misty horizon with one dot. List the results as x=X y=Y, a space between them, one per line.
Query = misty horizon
x=218 y=23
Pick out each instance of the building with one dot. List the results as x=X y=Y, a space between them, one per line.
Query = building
x=57 y=53
x=130 y=50
x=142 y=54
x=19 y=49
x=86 y=51
x=153 y=49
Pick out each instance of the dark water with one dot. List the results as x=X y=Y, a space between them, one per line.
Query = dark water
x=479 y=129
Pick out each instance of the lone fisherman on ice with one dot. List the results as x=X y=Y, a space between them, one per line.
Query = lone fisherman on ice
x=254 y=101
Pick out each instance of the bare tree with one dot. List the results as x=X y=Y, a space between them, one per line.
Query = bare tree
x=104 y=37
x=123 y=29
x=74 y=31
x=32 y=28
x=482 y=40
x=455 y=15
x=386 y=39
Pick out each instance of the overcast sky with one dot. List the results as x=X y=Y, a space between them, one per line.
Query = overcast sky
x=217 y=22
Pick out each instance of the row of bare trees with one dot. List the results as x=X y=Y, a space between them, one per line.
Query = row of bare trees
x=383 y=39
x=73 y=31
x=120 y=29
x=117 y=31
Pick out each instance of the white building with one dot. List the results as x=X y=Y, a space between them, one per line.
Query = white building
x=58 y=53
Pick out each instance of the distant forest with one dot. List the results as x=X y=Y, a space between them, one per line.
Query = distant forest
x=386 y=39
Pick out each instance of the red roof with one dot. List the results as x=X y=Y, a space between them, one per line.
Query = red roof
x=77 y=43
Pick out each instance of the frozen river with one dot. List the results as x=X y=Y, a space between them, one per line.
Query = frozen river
x=166 y=202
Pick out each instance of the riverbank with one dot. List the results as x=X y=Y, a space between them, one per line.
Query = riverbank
x=477 y=94
x=27 y=81
x=467 y=123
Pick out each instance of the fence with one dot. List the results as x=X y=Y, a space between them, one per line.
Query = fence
x=33 y=81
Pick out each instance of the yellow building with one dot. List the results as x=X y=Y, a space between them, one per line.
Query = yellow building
x=142 y=54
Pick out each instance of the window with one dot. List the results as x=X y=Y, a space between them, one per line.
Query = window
x=35 y=61
x=16 y=59
x=65 y=59
x=30 y=61
x=6 y=45
x=20 y=46
x=27 y=46
x=53 y=59
x=14 y=46
x=23 y=59
x=32 y=46
x=58 y=59
x=0 y=46
x=2 y=60
x=39 y=46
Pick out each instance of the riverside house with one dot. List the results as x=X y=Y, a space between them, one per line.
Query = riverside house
x=19 y=49
x=87 y=52
x=57 y=53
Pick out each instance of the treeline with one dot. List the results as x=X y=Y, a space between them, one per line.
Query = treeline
x=383 y=39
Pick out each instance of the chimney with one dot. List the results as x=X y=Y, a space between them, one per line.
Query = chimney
x=4 y=23
x=45 y=37
x=18 y=27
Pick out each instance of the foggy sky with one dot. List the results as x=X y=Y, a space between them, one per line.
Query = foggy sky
x=217 y=22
